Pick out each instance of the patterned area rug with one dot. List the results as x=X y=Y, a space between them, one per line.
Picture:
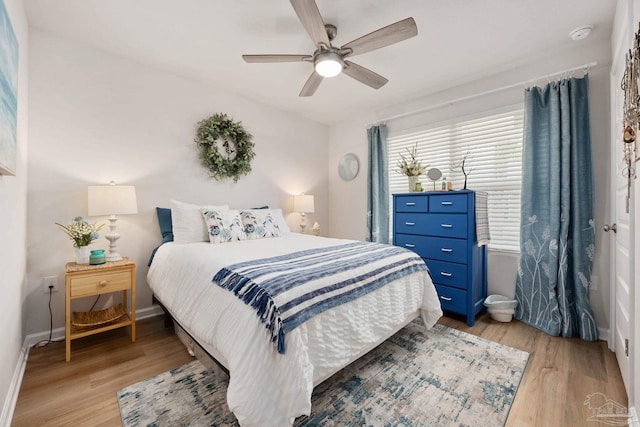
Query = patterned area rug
x=441 y=377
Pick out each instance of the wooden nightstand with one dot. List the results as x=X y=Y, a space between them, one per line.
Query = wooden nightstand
x=89 y=280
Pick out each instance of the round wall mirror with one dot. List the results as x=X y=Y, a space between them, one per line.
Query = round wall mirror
x=348 y=167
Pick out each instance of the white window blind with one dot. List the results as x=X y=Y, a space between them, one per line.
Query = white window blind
x=494 y=144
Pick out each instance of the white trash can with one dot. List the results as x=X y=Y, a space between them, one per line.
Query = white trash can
x=500 y=308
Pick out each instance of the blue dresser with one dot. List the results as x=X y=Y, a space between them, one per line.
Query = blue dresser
x=440 y=226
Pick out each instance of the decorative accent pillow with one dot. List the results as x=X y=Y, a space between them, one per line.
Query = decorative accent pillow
x=223 y=225
x=260 y=223
x=188 y=223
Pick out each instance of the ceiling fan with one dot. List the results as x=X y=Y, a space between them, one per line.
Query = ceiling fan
x=328 y=60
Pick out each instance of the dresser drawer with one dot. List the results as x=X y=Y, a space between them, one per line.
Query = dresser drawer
x=418 y=244
x=452 y=299
x=439 y=248
x=100 y=283
x=448 y=203
x=448 y=273
x=440 y=225
x=411 y=203
x=445 y=225
x=411 y=223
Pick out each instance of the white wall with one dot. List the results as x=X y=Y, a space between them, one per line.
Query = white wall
x=13 y=229
x=348 y=200
x=96 y=117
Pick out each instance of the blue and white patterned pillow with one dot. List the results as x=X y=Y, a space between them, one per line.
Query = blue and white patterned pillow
x=223 y=225
x=259 y=224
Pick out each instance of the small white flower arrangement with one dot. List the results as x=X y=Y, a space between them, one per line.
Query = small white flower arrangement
x=411 y=166
x=81 y=231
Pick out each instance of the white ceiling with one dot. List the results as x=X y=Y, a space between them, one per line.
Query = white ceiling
x=458 y=40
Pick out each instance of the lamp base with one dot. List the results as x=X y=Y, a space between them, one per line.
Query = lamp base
x=303 y=223
x=113 y=257
x=113 y=237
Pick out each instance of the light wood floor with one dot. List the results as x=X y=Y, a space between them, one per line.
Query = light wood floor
x=559 y=375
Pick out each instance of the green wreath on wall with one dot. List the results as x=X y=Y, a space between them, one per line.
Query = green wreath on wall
x=226 y=148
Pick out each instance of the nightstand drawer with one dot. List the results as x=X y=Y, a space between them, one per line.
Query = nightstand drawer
x=448 y=203
x=452 y=299
x=100 y=283
x=448 y=273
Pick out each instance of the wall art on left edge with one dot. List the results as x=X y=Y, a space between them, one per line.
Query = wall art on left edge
x=8 y=94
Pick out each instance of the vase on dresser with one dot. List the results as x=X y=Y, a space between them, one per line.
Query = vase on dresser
x=413 y=180
x=82 y=254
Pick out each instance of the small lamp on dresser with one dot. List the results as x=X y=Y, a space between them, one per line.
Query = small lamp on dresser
x=112 y=200
x=303 y=204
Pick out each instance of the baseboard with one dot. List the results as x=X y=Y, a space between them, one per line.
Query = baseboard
x=633 y=420
x=58 y=333
x=603 y=334
x=14 y=387
x=31 y=339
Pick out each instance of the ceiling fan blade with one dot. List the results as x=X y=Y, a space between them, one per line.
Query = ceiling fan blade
x=276 y=58
x=311 y=85
x=364 y=75
x=309 y=15
x=382 y=37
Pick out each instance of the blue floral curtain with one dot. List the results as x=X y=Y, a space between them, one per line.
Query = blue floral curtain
x=557 y=228
x=377 y=186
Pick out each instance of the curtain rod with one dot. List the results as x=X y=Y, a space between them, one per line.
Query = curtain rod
x=586 y=67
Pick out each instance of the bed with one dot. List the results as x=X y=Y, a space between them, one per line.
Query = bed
x=269 y=386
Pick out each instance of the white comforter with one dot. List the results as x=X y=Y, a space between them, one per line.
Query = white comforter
x=267 y=388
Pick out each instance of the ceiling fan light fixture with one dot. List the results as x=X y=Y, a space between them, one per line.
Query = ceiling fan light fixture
x=328 y=64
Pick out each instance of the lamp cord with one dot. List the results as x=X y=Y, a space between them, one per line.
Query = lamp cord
x=45 y=342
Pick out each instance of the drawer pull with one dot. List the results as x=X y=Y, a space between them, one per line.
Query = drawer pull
x=410 y=204
x=103 y=283
x=446 y=203
x=445 y=274
x=447 y=250
x=443 y=298
x=446 y=225
x=409 y=245
x=410 y=224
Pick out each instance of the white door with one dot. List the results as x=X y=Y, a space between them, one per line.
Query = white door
x=622 y=251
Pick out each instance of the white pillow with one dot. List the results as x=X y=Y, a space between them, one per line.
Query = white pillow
x=187 y=222
x=282 y=224
x=259 y=224
x=223 y=225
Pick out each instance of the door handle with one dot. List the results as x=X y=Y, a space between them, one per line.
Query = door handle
x=612 y=227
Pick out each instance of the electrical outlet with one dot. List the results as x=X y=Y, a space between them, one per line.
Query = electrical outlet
x=50 y=281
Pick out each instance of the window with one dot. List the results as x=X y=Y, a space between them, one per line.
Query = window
x=494 y=145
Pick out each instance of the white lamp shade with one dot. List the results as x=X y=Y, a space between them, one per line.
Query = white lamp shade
x=112 y=200
x=303 y=203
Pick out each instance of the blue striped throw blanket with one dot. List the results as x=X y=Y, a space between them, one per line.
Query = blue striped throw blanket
x=287 y=290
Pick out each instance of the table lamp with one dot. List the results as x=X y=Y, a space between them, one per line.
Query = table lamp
x=303 y=203
x=112 y=200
